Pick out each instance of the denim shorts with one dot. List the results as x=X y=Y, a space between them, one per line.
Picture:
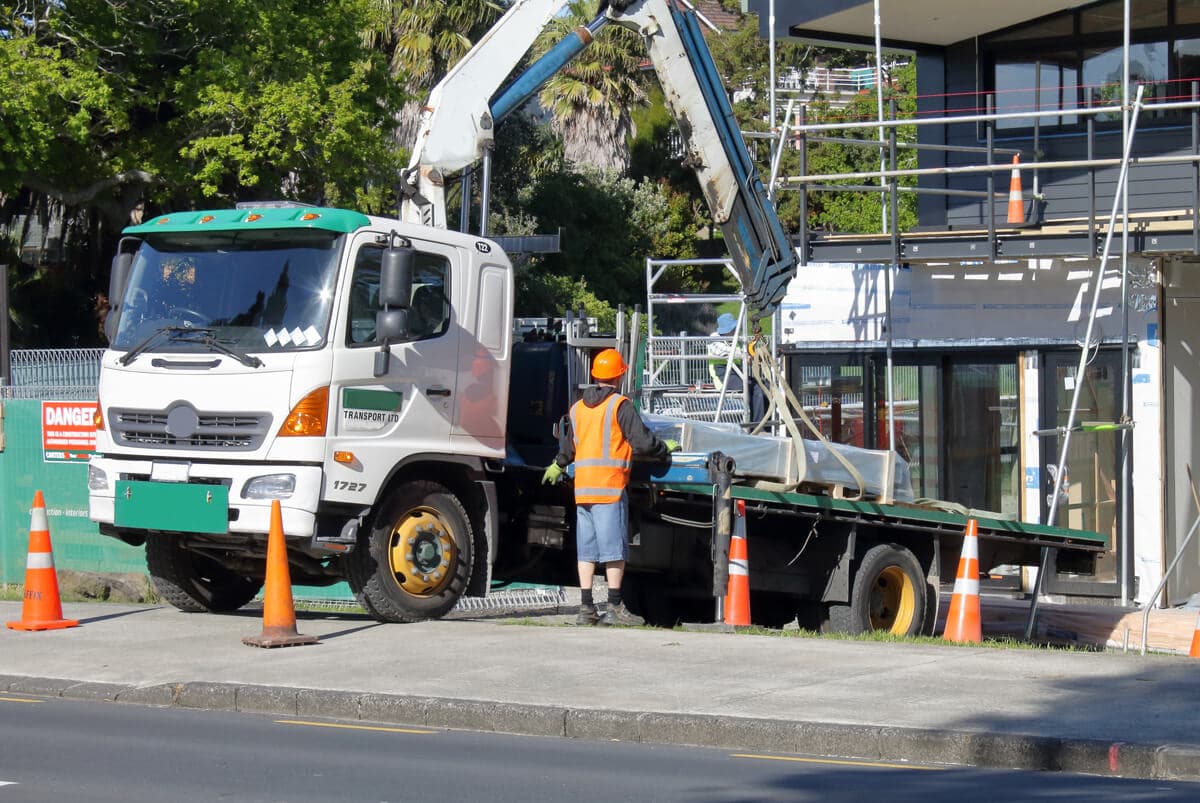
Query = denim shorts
x=601 y=532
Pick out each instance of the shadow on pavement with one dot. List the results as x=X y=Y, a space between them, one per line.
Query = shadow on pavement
x=952 y=785
x=348 y=631
x=118 y=615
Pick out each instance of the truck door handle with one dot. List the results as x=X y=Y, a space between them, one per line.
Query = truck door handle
x=437 y=391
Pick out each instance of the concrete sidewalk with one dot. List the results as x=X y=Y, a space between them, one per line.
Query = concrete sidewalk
x=1032 y=709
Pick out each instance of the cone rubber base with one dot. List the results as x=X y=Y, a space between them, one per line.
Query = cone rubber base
x=285 y=638
x=55 y=624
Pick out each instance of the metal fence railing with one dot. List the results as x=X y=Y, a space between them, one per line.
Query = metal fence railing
x=66 y=374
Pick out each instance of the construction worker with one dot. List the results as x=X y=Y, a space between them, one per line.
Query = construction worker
x=720 y=349
x=606 y=432
x=723 y=350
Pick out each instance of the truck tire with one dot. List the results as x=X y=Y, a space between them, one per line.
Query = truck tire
x=193 y=582
x=889 y=595
x=889 y=592
x=417 y=559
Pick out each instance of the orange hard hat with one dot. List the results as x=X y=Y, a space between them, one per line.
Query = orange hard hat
x=608 y=365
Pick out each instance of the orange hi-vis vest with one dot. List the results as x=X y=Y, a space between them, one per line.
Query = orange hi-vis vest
x=602 y=455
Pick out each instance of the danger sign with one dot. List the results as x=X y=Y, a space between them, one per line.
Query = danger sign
x=68 y=431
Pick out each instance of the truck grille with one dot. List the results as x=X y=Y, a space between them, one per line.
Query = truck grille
x=149 y=428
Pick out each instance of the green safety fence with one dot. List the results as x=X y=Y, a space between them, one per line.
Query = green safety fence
x=25 y=469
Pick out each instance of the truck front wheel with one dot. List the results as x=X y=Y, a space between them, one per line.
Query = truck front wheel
x=418 y=556
x=193 y=582
x=888 y=594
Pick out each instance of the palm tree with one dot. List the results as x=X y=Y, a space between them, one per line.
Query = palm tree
x=424 y=39
x=590 y=100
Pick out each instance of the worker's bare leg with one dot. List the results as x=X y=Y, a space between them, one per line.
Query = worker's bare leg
x=614 y=571
x=587 y=570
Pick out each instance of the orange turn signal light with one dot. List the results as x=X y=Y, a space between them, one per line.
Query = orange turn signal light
x=253 y=217
x=309 y=415
x=98 y=416
x=309 y=216
x=347 y=458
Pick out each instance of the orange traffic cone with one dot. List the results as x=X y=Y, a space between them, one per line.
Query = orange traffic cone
x=1016 y=205
x=42 y=608
x=279 y=614
x=737 y=590
x=962 y=622
x=1195 y=650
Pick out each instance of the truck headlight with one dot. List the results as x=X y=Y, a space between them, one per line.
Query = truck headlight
x=270 y=486
x=97 y=479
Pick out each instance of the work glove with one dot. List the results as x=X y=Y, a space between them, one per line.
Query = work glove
x=552 y=474
x=672 y=446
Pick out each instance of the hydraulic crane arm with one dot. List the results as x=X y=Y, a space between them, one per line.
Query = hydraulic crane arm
x=457 y=126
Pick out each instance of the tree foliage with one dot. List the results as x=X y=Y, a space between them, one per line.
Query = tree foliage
x=591 y=101
x=111 y=108
x=862 y=212
x=422 y=40
x=168 y=95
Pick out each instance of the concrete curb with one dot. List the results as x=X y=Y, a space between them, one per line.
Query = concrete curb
x=874 y=743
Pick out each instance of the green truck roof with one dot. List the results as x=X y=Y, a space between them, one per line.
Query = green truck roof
x=267 y=217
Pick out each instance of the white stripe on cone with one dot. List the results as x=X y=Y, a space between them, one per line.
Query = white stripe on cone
x=37 y=520
x=971 y=547
x=39 y=560
x=965 y=586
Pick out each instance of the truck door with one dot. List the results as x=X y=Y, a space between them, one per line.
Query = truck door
x=410 y=409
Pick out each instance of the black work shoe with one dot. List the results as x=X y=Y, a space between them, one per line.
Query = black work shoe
x=587 y=616
x=620 y=615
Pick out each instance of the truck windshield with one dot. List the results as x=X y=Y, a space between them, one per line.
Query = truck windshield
x=268 y=290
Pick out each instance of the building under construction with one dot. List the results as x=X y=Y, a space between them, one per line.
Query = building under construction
x=1030 y=347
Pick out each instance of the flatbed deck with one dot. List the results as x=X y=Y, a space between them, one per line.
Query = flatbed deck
x=909 y=517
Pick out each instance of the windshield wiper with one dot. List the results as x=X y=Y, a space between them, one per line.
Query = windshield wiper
x=248 y=360
x=185 y=333
x=149 y=340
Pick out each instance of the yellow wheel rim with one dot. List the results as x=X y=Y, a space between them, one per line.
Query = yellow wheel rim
x=893 y=601
x=422 y=552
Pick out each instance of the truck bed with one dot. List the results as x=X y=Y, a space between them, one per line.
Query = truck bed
x=687 y=475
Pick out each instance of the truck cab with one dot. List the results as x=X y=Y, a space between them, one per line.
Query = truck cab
x=279 y=352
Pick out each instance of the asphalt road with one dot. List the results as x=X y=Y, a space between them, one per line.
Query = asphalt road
x=65 y=750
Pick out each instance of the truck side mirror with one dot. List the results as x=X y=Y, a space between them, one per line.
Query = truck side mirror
x=391 y=324
x=122 y=263
x=395 y=292
x=396 y=276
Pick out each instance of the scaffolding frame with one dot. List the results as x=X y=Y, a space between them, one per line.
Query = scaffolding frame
x=887 y=186
x=674 y=361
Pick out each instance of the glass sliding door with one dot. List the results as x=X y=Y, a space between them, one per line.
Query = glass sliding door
x=831 y=388
x=1088 y=497
x=982 y=447
x=955 y=418
x=917 y=419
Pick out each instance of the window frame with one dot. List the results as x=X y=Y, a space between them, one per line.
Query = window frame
x=997 y=48
x=443 y=264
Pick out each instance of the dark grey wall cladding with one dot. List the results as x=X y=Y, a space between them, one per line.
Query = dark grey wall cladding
x=1152 y=188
